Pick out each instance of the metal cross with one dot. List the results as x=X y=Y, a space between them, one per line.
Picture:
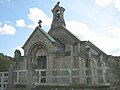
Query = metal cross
x=40 y=23
x=58 y=3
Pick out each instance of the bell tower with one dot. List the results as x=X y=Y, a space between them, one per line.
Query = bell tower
x=58 y=16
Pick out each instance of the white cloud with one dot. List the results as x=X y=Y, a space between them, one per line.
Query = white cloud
x=117 y=4
x=0 y=23
x=20 y=23
x=105 y=42
x=81 y=30
x=116 y=51
x=116 y=32
x=36 y=14
x=7 y=29
x=103 y=3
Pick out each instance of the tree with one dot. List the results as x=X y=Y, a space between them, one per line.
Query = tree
x=5 y=62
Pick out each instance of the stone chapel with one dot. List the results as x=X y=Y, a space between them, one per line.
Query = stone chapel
x=58 y=60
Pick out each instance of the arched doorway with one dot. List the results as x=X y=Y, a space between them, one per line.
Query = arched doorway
x=38 y=58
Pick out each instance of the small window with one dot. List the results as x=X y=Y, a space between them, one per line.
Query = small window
x=6 y=74
x=5 y=79
x=43 y=80
x=30 y=59
x=67 y=53
x=22 y=74
x=41 y=62
x=89 y=80
x=21 y=78
x=87 y=72
x=86 y=63
x=43 y=73
x=57 y=14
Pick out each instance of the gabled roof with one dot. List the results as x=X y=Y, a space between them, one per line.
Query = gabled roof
x=46 y=34
x=60 y=31
x=95 y=48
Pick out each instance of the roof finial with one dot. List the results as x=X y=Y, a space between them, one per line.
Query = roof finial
x=40 y=23
x=58 y=3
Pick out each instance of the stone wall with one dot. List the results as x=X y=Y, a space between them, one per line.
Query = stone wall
x=114 y=78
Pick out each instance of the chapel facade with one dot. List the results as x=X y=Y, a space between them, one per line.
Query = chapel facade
x=58 y=60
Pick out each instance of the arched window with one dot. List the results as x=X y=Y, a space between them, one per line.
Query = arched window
x=57 y=14
x=41 y=62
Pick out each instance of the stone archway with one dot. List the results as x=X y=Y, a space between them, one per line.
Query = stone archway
x=37 y=54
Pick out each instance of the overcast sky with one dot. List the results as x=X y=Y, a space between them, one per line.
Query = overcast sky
x=95 y=20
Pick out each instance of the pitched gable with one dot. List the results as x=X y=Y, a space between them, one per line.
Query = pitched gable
x=38 y=35
x=96 y=48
